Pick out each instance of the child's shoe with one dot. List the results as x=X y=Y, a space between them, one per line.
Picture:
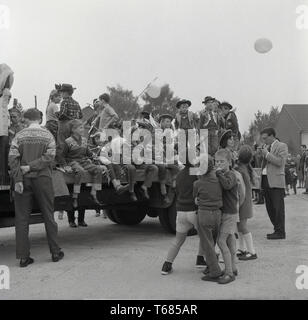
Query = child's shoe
x=133 y=196
x=167 y=268
x=82 y=224
x=240 y=253
x=225 y=279
x=200 y=263
x=248 y=256
x=73 y=225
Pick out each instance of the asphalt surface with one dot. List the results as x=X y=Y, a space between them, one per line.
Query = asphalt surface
x=108 y=261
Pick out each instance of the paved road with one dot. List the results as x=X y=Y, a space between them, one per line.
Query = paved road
x=107 y=261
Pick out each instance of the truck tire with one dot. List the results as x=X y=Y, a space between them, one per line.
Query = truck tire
x=130 y=216
x=164 y=221
x=110 y=215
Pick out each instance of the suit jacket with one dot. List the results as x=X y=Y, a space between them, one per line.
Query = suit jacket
x=276 y=161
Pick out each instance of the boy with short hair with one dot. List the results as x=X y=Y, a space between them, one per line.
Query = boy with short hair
x=208 y=196
x=230 y=197
x=186 y=217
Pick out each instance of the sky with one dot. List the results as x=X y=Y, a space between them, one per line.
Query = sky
x=199 y=47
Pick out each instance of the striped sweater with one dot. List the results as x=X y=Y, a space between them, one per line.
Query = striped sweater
x=35 y=147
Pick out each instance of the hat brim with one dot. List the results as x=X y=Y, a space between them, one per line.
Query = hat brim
x=165 y=117
x=224 y=136
x=183 y=102
x=207 y=101
x=223 y=105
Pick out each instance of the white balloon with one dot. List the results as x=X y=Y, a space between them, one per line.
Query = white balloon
x=153 y=91
x=263 y=45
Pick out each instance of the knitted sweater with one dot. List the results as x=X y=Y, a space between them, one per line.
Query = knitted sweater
x=184 y=191
x=230 y=197
x=35 y=147
x=209 y=192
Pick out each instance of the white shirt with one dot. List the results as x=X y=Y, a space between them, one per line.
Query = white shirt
x=264 y=172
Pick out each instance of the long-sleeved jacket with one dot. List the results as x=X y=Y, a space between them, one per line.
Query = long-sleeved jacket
x=230 y=196
x=74 y=150
x=275 y=165
x=35 y=147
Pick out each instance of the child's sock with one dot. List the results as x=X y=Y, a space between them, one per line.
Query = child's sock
x=241 y=242
x=249 y=243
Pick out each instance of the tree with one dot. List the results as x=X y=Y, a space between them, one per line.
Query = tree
x=124 y=102
x=165 y=103
x=261 y=121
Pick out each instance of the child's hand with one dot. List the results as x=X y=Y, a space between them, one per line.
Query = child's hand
x=68 y=169
x=197 y=201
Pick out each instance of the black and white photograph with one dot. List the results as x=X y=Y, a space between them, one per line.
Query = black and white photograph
x=154 y=151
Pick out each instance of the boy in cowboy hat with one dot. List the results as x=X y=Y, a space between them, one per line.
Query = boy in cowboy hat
x=231 y=122
x=210 y=120
x=185 y=119
x=168 y=165
x=165 y=121
x=69 y=110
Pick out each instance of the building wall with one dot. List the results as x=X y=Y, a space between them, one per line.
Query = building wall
x=288 y=132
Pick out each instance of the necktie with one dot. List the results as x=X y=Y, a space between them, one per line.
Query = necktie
x=264 y=162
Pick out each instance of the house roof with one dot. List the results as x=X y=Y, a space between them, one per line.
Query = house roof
x=299 y=114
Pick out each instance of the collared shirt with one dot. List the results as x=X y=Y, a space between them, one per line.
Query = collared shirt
x=51 y=111
x=106 y=115
x=69 y=109
x=264 y=171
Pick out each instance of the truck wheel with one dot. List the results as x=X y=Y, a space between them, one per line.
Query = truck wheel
x=164 y=221
x=110 y=215
x=130 y=216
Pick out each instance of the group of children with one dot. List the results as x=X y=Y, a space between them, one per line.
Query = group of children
x=218 y=204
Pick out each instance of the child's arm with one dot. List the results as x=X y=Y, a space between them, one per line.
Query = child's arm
x=228 y=181
x=196 y=193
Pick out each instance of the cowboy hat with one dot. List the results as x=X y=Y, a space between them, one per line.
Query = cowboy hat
x=208 y=99
x=65 y=87
x=183 y=102
x=165 y=116
x=226 y=105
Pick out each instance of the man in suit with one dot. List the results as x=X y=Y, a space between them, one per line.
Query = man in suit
x=273 y=181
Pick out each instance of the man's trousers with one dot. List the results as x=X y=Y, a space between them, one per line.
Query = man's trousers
x=41 y=190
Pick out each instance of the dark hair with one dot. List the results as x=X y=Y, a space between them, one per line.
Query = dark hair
x=105 y=97
x=33 y=114
x=244 y=158
x=269 y=132
x=75 y=124
x=304 y=146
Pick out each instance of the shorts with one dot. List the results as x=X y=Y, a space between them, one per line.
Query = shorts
x=186 y=220
x=229 y=223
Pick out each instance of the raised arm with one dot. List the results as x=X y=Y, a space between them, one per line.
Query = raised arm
x=228 y=181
